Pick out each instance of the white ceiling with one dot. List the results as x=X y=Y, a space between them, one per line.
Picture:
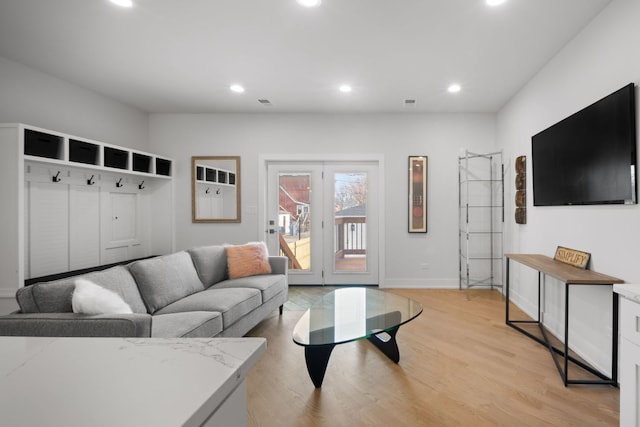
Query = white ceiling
x=180 y=56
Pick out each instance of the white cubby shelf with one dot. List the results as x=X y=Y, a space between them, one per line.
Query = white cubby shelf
x=41 y=145
x=73 y=203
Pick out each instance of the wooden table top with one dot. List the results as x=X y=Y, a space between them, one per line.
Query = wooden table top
x=564 y=272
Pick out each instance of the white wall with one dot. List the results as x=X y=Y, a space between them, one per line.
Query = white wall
x=439 y=136
x=601 y=59
x=32 y=97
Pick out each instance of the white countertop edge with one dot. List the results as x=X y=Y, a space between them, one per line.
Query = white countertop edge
x=53 y=371
x=216 y=399
x=628 y=290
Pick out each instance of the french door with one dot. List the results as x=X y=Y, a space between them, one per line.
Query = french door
x=323 y=217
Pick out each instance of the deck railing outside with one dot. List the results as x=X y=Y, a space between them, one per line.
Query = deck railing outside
x=350 y=239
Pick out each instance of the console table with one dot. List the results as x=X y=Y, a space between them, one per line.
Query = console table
x=125 y=382
x=571 y=276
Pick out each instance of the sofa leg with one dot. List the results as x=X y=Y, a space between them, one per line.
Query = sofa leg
x=281 y=309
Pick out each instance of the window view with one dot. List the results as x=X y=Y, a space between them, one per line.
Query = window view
x=350 y=222
x=294 y=219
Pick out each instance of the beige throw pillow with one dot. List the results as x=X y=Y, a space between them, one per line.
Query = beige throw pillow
x=248 y=260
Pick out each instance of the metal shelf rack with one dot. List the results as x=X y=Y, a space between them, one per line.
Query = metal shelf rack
x=481 y=220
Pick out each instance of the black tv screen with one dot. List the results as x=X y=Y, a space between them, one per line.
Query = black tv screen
x=590 y=157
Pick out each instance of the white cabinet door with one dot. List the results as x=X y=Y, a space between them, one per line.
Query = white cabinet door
x=123 y=216
x=84 y=233
x=629 y=384
x=629 y=363
x=48 y=228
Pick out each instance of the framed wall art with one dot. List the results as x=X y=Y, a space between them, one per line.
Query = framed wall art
x=418 y=194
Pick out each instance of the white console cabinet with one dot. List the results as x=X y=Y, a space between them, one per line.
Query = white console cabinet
x=629 y=354
x=70 y=203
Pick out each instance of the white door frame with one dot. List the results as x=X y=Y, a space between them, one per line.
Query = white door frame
x=264 y=159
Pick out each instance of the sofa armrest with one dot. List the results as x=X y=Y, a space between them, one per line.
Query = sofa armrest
x=76 y=325
x=279 y=264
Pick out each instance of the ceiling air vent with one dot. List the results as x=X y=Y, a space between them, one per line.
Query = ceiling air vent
x=409 y=102
x=265 y=102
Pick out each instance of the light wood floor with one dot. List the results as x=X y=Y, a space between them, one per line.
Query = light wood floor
x=460 y=365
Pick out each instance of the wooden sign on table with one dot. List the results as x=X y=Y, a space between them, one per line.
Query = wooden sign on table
x=572 y=257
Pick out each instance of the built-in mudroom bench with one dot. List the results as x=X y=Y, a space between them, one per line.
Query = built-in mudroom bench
x=71 y=202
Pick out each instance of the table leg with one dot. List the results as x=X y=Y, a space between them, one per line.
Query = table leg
x=317 y=358
x=389 y=346
x=614 y=340
x=507 y=289
x=565 y=374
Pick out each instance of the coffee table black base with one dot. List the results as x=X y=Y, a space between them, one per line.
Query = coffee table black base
x=388 y=346
x=317 y=356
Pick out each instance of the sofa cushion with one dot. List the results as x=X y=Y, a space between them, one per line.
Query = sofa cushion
x=165 y=279
x=76 y=325
x=194 y=324
x=269 y=284
x=233 y=303
x=55 y=296
x=248 y=260
x=210 y=263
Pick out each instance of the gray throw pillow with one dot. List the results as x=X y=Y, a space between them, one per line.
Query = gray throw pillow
x=165 y=279
x=211 y=263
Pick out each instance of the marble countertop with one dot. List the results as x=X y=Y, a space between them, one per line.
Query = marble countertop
x=629 y=291
x=119 y=381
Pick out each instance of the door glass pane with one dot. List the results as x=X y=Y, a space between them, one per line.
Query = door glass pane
x=350 y=221
x=294 y=219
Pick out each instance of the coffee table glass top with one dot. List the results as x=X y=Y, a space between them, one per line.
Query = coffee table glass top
x=351 y=314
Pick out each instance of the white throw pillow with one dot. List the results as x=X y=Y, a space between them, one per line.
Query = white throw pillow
x=89 y=298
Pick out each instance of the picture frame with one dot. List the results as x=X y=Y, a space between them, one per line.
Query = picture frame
x=417 y=198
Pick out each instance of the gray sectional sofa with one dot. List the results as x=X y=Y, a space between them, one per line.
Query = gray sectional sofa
x=184 y=294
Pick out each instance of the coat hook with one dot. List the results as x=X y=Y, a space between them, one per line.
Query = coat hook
x=90 y=181
x=207 y=190
x=141 y=186
x=119 y=183
x=218 y=191
x=56 y=178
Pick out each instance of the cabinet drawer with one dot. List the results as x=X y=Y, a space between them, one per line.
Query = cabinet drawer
x=630 y=320
x=629 y=384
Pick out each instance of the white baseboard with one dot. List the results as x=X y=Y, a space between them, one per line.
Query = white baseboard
x=8 y=293
x=529 y=307
x=581 y=345
x=392 y=283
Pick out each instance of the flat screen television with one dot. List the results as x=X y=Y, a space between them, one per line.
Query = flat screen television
x=588 y=158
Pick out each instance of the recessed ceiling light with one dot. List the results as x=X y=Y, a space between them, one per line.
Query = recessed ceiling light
x=236 y=88
x=309 y=3
x=123 y=3
x=454 y=88
x=495 y=2
x=345 y=88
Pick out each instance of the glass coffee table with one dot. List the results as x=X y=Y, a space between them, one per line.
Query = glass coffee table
x=351 y=314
